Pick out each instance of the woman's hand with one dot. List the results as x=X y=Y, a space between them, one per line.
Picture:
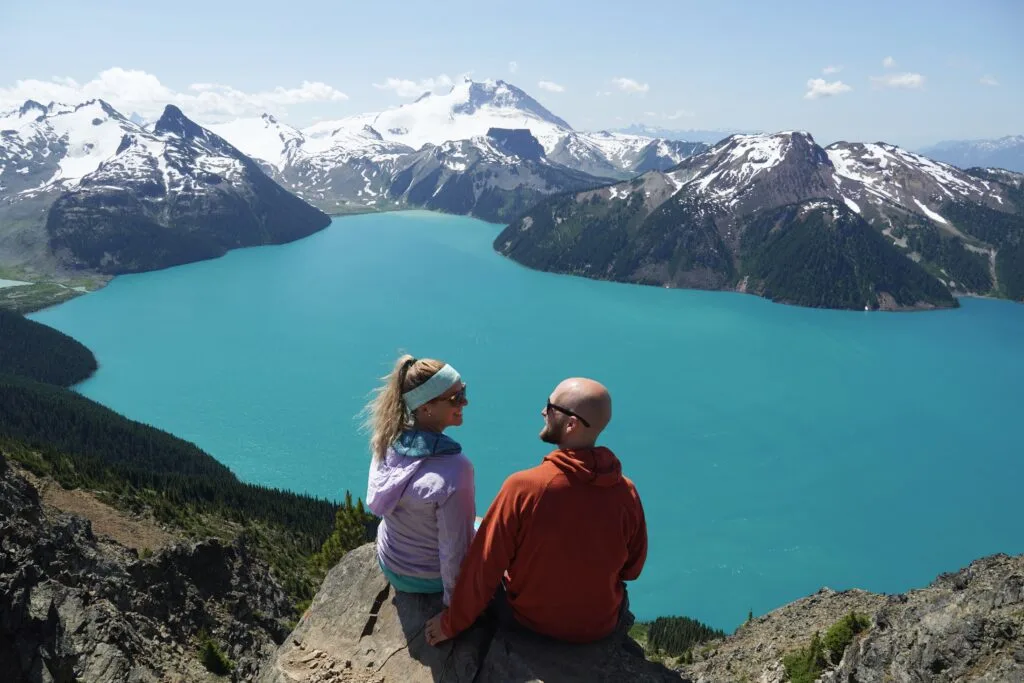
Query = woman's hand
x=434 y=633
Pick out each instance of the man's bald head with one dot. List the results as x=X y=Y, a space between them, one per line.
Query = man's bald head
x=589 y=402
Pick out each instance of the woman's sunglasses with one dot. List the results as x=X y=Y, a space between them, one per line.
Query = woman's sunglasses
x=458 y=398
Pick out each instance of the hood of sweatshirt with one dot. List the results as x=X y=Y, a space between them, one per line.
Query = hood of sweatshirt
x=595 y=466
x=390 y=475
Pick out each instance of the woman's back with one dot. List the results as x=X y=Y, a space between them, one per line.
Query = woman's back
x=424 y=491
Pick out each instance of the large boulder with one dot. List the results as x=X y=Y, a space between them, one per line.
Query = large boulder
x=359 y=628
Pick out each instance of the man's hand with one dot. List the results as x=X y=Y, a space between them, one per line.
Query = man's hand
x=434 y=633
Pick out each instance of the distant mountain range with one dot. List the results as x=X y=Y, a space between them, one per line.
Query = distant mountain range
x=350 y=164
x=84 y=189
x=688 y=134
x=1006 y=152
x=849 y=226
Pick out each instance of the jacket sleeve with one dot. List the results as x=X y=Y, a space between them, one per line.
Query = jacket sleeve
x=637 y=543
x=455 y=518
x=489 y=556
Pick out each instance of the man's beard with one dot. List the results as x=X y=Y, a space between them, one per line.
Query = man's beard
x=552 y=433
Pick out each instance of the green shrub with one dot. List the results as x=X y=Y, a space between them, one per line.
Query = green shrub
x=840 y=634
x=212 y=657
x=808 y=663
x=351 y=530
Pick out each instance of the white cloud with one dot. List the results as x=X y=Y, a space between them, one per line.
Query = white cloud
x=602 y=93
x=819 y=87
x=406 y=88
x=907 y=80
x=650 y=114
x=513 y=67
x=831 y=70
x=988 y=80
x=631 y=86
x=550 y=87
x=888 y=62
x=132 y=90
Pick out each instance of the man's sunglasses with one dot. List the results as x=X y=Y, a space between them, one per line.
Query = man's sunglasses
x=566 y=411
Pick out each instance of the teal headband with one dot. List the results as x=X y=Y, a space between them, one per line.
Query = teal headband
x=443 y=380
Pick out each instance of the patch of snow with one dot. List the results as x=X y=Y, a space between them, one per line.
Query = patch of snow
x=676 y=180
x=618 y=192
x=848 y=166
x=931 y=214
x=731 y=165
x=12 y=283
x=92 y=136
x=852 y=204
x=261 y=138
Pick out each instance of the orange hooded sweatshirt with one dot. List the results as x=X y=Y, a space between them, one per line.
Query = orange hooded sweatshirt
x=568 y=532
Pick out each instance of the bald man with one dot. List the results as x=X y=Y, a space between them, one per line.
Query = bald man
x=565 y=534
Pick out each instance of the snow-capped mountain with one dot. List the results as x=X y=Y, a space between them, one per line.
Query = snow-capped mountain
x=264 y=138
x=687 y=134
x=335 y=165
x=348 y=163
x=53 y=147
x=495 y=176
x=617 y=155
x=84 y=188
x=877 y=178
x=469 y=110
x=1005 y=152
x=708 y=221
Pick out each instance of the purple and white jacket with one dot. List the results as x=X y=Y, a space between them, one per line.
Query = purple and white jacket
x=424 y=491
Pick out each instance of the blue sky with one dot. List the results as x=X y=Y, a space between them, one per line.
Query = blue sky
x=955 y=69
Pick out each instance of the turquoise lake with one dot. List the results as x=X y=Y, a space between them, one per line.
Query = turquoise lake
x=776 y=449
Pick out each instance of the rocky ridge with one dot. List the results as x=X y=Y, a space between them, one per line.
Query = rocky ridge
x=912 y=232
x=74 y=607
x=967 y=625
x=77 y=607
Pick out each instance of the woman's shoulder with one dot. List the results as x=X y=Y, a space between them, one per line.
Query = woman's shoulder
x=454 y=468
x=452 y=463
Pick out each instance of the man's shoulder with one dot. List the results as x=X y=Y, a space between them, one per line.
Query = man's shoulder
x=531 y=480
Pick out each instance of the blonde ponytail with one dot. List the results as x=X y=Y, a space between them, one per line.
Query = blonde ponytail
x=387 y=415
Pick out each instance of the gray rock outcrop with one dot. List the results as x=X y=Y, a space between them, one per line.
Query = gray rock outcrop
x=966 y=626
x=76 y=608
x=359 y=629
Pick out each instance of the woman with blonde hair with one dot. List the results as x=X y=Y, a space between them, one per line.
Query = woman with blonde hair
x=421 y=485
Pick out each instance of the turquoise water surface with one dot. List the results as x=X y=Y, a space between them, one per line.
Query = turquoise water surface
x=776 y=449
